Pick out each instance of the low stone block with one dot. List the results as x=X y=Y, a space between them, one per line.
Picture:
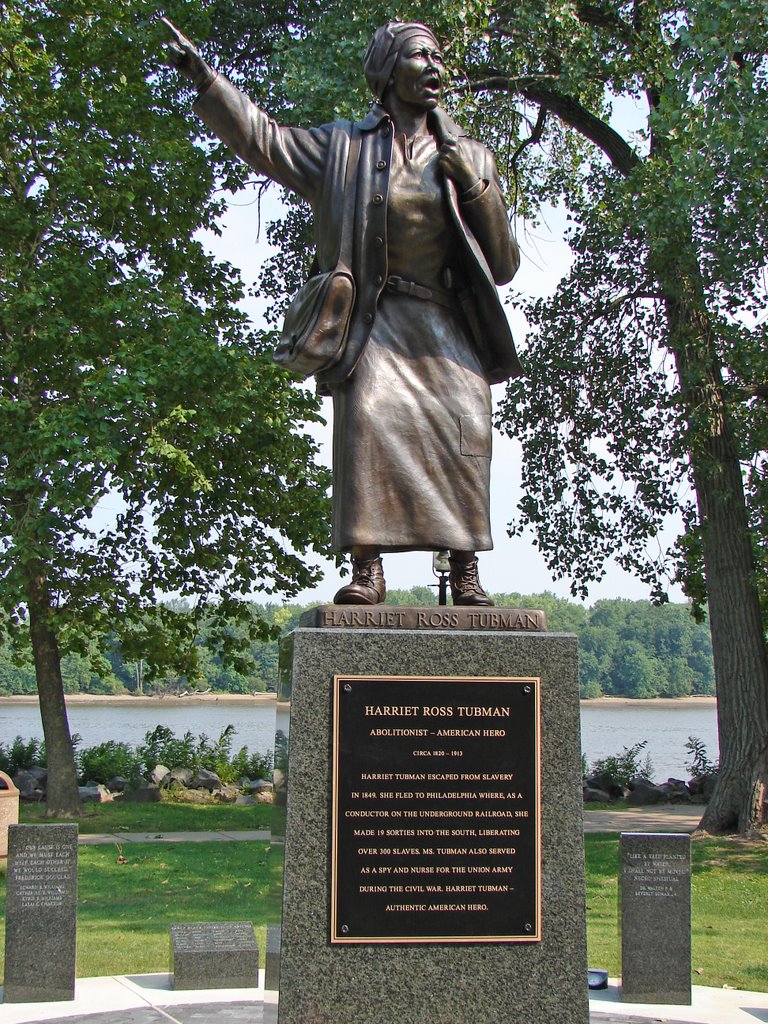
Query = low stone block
x=219 y=954
x=40 y=927
x=655 y=918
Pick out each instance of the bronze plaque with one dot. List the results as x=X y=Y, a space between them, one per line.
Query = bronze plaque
x=436 y=820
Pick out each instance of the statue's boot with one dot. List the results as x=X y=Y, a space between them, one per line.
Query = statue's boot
x=367 y=585
x=465 y=584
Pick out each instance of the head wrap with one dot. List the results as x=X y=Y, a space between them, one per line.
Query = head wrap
x=383 y=49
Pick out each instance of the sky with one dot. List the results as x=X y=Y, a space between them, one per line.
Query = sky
x=514 y=565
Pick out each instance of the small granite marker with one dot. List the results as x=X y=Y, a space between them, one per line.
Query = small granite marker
x=220 y=954
x=40 y=927
x=655 y=918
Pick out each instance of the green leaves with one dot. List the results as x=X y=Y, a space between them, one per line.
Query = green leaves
x=147 y=444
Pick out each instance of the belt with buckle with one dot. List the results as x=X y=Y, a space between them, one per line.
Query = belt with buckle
x=400 y=286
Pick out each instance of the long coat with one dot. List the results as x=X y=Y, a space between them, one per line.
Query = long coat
x=312 y=162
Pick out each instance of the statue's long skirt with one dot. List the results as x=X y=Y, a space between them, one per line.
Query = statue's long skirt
x=412 y=436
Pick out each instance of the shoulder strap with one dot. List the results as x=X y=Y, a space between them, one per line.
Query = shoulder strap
x=350 y=194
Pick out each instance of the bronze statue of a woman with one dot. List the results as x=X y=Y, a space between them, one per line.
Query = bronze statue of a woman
x=430 y=241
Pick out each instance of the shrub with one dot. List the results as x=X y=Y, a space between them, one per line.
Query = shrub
x=161 y=746
x=699 y=765
x=626 y=765
x=102 y=762
x=22 y=754
x=251 y=766
x=105 y=760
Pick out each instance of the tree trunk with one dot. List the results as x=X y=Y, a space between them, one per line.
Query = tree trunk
x=738 y=643
x=62 y=797
x=738 y=640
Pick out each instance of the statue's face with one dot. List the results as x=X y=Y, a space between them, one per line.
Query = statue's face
x=419 y=73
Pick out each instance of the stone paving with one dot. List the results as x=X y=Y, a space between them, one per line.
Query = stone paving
x=244 y=836
x=207 y=1013
x=664 y=818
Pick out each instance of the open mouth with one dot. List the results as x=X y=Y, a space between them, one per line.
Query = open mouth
x=432 y=82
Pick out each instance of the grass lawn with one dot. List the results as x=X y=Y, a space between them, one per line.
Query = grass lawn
x=124 y=910
x=730 y=891
x=165 y=817
x=616 y=805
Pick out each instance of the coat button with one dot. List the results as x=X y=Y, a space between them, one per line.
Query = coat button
x=379 y=279
x=385 y=131
x=381 y=165
x=378 y=199
x=368 y=318
x=378 y=242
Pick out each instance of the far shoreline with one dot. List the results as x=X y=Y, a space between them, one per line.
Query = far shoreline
x=150 y=701
x=650 y=702
x=246 y=699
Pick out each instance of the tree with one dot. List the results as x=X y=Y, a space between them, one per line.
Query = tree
x=651 y=337
x=646 y=385
x=130 y=381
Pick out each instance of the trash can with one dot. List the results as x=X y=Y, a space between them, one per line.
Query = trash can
x=9 y=810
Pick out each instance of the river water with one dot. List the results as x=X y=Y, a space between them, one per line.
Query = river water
x=605 y=728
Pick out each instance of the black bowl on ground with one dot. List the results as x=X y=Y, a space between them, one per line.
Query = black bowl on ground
x=596 y=978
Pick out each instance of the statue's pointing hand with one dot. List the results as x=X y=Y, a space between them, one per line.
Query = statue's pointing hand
x=183 y=55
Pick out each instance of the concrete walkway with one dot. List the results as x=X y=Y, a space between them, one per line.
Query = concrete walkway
x=708 y=1006
x=149 y=999
x=664 y=818
x=244 y=836
x=669 y=818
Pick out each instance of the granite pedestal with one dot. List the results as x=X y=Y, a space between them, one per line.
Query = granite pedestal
x=538 y=981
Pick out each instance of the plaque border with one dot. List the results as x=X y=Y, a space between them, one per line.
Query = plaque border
x=338 y=939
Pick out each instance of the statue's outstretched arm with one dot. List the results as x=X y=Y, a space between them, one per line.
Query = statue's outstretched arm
x=294 y=157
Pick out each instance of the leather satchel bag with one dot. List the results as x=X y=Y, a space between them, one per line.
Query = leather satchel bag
x=316 y=324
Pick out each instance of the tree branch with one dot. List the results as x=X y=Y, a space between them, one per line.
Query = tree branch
x=540 y=90
x=606 y=308
x=745 y=394
x=600 y=17
x=536 y=133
